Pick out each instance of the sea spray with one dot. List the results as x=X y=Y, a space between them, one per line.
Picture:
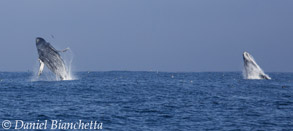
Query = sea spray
x=68 y=59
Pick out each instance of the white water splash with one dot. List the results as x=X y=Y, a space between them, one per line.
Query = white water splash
x=68 y=58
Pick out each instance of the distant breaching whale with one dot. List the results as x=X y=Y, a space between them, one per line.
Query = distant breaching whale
x=251 y=68
x=50 y=57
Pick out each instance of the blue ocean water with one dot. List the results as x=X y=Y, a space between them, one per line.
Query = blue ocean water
x=152 y=101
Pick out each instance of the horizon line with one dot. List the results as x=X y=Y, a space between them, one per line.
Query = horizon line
x=154 y=71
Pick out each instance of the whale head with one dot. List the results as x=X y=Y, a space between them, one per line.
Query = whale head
x=40 y=40
x=247 y=57
x=40 y=43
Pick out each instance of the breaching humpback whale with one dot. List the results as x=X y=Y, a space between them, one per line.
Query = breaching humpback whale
x=50 y=57
x=251 y=68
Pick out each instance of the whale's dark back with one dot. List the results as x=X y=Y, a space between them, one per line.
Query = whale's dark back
x=51 y=57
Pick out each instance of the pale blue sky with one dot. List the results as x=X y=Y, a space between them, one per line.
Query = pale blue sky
x=143 y=35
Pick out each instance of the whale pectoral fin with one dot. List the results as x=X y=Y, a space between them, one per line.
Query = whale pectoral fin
x=41 y=67
x=64 y=50
x=58 y=50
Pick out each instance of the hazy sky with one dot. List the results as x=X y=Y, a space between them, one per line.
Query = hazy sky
x=143 y=35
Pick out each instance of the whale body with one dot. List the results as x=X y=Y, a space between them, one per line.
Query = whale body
x=50 y=57
x=252 y=69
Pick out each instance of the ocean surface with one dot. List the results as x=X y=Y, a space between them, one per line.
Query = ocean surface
x=152 y=100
